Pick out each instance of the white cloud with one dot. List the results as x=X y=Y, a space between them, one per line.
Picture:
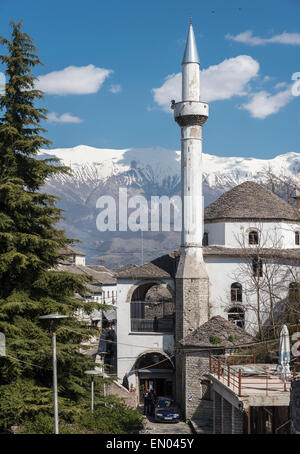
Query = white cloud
x=171 y=89
x=263 y=103
x=281 y=85
x=64 y=118
x=218 y=82
x=248 y=38
x=115 y=88
x=73 y=80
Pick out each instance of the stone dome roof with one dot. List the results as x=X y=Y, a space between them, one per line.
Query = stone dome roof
x=250 y=200
x=227 y=333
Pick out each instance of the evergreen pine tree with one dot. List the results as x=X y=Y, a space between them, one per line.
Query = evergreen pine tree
x=30 y=244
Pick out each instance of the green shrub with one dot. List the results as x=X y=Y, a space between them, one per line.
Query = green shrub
x=214 y=340
x=111 y=416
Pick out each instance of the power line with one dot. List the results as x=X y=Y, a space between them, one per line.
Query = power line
x=26 y=362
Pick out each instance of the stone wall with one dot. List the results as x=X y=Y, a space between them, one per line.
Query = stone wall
x=226 y=418
x=192 y=305
x=197 y=396
x=237 y=424
x=295 y=406
x=116 y=389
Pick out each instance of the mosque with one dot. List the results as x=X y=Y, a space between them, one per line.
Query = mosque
x=236 y=267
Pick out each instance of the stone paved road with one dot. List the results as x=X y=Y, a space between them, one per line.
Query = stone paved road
x=151 y=427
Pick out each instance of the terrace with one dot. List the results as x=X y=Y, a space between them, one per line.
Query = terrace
x=254 y=395
x=253 y=384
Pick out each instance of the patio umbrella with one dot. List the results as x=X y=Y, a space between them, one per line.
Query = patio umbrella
x=284 y=352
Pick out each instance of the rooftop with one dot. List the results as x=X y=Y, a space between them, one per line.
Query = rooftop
x=217 y=333
x=165 y=267
x=70 y=250
x=99 y=278
x=250 y=200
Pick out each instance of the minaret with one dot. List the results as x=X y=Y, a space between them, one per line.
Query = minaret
x=192 y=286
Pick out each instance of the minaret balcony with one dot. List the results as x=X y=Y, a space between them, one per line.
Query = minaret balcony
x=188 y=113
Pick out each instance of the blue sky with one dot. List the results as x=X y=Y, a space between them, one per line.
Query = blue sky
x=120 y=51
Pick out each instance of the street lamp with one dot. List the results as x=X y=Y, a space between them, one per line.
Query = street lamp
x=92 y=373
x=53 y=318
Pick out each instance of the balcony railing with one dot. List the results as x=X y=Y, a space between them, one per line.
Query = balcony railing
x=152 y=325
x=150 y=316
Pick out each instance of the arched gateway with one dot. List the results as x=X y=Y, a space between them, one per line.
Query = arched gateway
x=155 y=370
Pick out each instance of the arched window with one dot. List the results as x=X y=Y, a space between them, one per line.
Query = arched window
x=253 y=237
x=152 y=309
x=294 y=291
x=297 y=238
x=236 y=292
x=205 y=239
x=236 y=315
x=257 y=267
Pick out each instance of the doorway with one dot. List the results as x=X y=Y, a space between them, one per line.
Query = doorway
x=160 y=386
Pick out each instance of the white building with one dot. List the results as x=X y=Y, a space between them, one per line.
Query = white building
x=237 y=260
x=248 y=231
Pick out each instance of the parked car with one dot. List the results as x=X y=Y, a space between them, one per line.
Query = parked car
x=166 y=410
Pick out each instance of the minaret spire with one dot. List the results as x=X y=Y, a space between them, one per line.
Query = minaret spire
x=192 y=286
x=191 y=53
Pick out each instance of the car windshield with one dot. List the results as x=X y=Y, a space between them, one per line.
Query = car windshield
x=164 y=403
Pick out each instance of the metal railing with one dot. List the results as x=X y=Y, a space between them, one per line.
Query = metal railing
x=152 y=325
x=234 y=379
x=226 y=373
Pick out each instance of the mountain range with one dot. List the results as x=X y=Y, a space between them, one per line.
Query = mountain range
x=149 y=172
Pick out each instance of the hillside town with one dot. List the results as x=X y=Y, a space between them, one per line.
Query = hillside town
x=202 y=339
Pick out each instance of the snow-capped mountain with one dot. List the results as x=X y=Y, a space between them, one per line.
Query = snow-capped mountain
x=159 y=164
x=147 y=171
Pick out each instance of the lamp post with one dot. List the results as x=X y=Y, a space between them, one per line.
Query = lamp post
x=92 y=373
x=53 y=318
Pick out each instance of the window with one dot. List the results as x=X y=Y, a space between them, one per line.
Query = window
x=236 y=292
x=236 y=315
x=253 y=237
x=294 y=291
x=257 y=267
x=205 y=239
x=297 y=238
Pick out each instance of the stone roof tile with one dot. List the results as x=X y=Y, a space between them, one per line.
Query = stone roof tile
x=217 y=328
x=250 y=200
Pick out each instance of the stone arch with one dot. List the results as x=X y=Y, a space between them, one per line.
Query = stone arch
x=153 y=351
x=150 y=283
x=152 y=307
x=229 y=306
x=154 y=369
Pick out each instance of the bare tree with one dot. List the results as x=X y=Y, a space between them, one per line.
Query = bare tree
x=265 y=273
x=281 y=183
